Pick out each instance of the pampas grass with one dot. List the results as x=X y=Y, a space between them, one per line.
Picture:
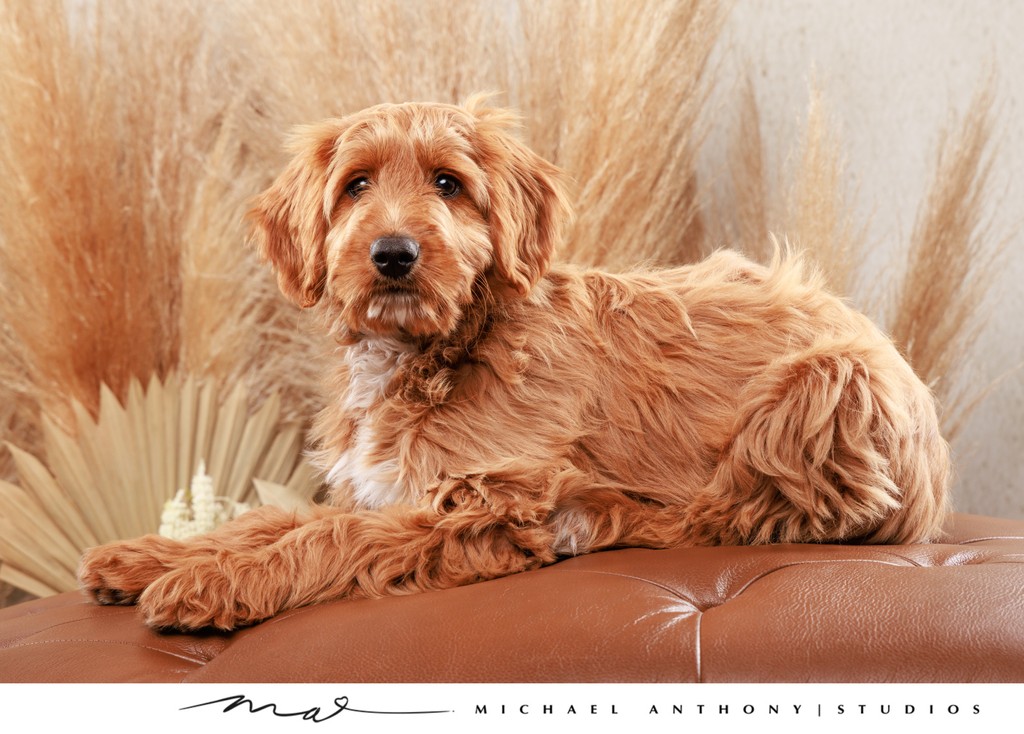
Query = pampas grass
x=128 y=148
x=91 y=253
x=61 y=196
x=933 y=304
x=938 y=309
x=593 y=80
x=619 y=108
x=818 y=213
x=805 y=199
x=125 y=173
x=746 y=214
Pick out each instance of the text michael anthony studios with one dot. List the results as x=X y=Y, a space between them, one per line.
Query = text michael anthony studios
x=661 y=708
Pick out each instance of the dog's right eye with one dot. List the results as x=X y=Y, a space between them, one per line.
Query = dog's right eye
x=447 y=185
x=357 y=186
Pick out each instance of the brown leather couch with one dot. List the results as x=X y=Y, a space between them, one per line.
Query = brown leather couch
x=947 y=612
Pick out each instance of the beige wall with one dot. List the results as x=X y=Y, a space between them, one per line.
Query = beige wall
x=893 y=70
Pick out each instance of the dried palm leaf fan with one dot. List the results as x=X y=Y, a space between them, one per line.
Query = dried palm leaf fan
x=124 y=177
x=110 y=477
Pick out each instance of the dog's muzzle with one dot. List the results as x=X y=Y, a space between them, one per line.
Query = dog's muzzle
x=394 y=256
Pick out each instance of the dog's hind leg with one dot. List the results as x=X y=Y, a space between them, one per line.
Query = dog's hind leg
x=837 y=443
x=472 y=531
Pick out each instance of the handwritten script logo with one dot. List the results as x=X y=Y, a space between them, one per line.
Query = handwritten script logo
x=314 y=714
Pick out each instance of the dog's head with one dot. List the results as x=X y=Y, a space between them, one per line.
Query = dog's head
x=394 y=214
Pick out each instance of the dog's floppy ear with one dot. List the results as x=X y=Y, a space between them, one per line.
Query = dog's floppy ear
x=290 y=219
x=527 y=204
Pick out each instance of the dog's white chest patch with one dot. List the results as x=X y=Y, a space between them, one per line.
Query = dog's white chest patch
x=374 y=483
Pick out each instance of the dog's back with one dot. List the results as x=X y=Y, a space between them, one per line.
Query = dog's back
x=731 y=402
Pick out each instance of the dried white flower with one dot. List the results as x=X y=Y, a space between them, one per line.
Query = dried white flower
x=196 y=511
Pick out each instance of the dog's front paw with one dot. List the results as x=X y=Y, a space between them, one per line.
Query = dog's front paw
x=117 y=573
x=206 y=594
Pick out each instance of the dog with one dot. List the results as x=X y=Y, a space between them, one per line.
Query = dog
x=492 y=412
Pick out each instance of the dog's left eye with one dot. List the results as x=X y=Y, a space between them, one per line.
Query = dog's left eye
x=447 y=185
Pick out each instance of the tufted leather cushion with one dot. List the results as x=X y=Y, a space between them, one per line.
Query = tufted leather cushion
x=952 y=611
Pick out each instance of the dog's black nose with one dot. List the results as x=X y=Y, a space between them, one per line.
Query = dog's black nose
x=394 y=256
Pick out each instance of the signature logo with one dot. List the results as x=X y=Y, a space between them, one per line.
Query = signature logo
x=315 y=714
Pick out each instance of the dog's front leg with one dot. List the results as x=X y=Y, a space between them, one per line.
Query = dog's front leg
x=459 y=539
x=117 y=573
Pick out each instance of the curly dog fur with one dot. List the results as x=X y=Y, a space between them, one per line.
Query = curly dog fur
x=492 y=412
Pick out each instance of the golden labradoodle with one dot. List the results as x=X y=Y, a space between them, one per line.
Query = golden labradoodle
x=493 y=412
